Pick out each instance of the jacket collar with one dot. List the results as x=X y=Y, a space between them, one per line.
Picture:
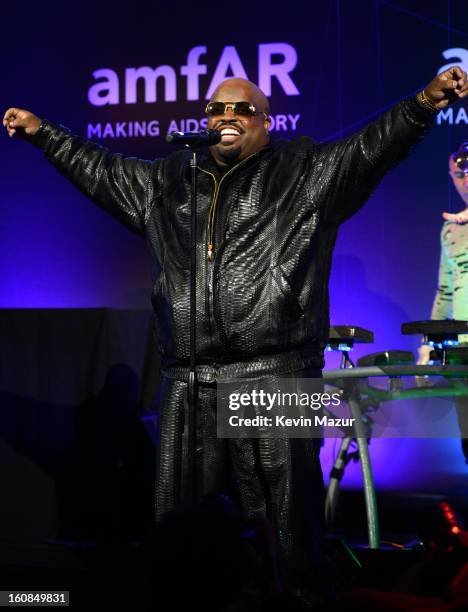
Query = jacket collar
x=206 y=160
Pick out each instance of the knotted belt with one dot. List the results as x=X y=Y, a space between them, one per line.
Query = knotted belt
x=257 y=367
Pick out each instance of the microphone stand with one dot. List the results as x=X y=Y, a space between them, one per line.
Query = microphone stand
x=192 y=387
x=192 y=141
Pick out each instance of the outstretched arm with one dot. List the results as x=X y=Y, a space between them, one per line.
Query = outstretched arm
x=360 y=161
x=121 y=185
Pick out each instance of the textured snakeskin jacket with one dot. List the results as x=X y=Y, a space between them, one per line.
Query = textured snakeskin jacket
x=270 y=223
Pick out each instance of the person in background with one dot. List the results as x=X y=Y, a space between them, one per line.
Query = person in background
x=451 y=298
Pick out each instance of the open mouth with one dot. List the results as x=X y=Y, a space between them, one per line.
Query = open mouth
x=229 y=134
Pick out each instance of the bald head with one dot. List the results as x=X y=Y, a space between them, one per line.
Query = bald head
x=241 y=135
x=254 y=94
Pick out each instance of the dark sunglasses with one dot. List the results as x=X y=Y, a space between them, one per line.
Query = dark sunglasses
x=244 y=109
x=459 y=173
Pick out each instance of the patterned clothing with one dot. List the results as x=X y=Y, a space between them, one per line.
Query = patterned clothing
x=451 y=299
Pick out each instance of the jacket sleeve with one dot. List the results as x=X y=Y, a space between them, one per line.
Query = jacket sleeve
x=356 y=164
x=123 y=186
x=442 y=306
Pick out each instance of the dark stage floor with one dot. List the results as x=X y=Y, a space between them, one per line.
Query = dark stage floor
x=418 y=556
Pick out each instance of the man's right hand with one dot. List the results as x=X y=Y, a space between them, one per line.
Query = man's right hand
x=21 y=123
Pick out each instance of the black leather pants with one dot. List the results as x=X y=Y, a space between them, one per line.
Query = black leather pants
x=275 y=479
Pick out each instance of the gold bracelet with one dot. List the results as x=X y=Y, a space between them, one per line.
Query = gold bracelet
x=425 y=102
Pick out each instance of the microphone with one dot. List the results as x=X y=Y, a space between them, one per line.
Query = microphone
x=195 y=139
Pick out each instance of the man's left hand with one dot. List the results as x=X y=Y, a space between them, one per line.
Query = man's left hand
x=447 y=87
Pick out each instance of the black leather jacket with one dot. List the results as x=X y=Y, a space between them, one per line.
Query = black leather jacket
x=275 y=219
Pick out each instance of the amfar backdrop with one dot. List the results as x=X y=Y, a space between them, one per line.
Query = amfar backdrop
x=126 y=73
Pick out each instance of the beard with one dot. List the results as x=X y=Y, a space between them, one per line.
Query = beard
x=229 y=154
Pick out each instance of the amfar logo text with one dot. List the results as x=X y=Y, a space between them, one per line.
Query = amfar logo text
x=107 y=90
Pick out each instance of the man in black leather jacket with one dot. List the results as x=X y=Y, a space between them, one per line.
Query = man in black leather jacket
x=268 y=215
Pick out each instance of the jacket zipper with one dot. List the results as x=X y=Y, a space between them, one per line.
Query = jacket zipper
x=210 y=214
x=210 y=236
x=214 y=202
